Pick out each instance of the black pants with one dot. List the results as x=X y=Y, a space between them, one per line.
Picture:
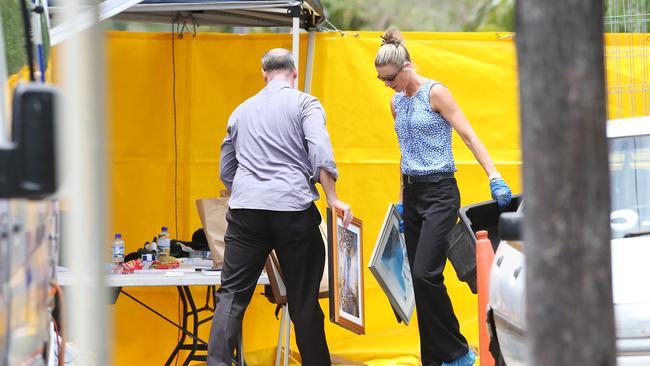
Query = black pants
x=250 y=237
x=430 y=211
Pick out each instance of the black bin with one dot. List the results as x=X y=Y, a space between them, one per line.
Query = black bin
x=462 y=240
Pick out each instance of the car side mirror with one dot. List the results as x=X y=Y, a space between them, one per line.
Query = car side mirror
x=28 y=163
x=510 y=225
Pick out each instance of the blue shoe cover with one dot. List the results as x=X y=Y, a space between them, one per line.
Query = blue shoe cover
x=467 y=359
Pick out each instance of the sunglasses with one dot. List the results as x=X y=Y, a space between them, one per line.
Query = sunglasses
x=391 y=77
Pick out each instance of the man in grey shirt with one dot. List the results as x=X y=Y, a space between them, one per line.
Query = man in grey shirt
x=275 y=150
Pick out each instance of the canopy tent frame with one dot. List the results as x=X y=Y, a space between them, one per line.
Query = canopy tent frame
x=297 y=14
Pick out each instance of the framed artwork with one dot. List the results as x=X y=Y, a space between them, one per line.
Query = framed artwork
x=276 y=279
x=345 y=265
x=390 y=266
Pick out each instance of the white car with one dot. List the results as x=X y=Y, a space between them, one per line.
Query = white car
x=629 y=161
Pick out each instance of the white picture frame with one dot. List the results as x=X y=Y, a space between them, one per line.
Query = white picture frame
x=390 y=266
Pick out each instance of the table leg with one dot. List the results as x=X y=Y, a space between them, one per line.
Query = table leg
x=183 y=326
x=185 y=296
x=195 y=328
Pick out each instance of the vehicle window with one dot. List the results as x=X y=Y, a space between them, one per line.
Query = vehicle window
x=629 y=162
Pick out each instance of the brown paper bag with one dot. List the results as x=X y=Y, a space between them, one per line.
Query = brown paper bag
x=212 y=212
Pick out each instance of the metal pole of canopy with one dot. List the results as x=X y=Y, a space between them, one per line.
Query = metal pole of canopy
x=86 y=19
x=295 y=44
x=309 y=69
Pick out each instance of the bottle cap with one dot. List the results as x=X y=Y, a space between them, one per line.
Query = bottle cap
x=118 y=236
x=164 y=228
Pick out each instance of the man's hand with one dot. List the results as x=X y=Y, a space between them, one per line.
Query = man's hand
x=347 y=211
x=500 y=192
x=400 y=211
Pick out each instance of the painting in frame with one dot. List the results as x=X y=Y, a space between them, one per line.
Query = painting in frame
x=345 y=265
x=276 y=279
x=276 y=276
x=390 y=266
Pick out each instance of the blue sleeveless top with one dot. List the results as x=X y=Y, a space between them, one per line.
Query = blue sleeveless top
x=424 y=135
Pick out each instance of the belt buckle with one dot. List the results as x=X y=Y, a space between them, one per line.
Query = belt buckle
x=408 y=179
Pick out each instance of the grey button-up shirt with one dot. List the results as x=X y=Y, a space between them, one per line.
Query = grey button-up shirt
x=275 y=145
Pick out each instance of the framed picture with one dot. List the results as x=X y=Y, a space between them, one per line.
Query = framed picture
x=345 y=246
x=276 y=277
x=390 y=266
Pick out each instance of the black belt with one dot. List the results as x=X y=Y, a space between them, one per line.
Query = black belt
x=429 y=178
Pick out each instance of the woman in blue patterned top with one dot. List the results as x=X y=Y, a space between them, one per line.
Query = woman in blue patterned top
x=425 y=113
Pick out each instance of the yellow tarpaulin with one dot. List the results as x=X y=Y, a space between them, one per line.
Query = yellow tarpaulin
x=216 y=72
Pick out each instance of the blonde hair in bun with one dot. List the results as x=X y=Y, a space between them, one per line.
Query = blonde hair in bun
x=393 y=49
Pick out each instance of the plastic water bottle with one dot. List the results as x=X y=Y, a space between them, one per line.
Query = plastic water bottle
x=163 y=242
x=117 y=250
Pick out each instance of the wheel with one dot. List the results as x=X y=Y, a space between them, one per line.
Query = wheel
x=495 y=349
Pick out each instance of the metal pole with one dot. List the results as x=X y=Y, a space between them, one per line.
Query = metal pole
x=309 y=68
x=83 y=191
x=278 y=351
x=566 y=179
x=295 y=47
x=287 y=341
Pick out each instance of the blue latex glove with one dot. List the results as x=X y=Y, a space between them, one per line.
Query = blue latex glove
x=400 y=211
x=500 y=192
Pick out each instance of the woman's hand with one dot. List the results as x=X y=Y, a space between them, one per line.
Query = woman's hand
x=500 y=192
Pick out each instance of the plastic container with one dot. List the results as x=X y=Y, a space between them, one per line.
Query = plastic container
x=117 y=250
x=462 y=239
x=163 y=242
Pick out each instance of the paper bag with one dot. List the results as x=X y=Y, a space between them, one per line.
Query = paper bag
x=212 y=212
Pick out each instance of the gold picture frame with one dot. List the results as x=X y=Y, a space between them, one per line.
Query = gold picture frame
x=345 y=266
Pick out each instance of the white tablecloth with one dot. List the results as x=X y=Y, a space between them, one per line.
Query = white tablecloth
x=186 y=275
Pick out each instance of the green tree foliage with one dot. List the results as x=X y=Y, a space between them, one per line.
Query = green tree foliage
x=627 y=16
x=14 y=38
x=407 y=15
x=621 y=16
x=493 y=15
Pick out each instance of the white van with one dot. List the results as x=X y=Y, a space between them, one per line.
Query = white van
x=629 y=162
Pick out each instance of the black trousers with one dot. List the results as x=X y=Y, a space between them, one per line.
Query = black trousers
x=430 y=211
x=250 y=237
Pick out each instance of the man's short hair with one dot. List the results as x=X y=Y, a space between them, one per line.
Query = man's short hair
x=278 y=59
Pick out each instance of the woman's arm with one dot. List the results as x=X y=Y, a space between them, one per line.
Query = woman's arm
x=443 y=102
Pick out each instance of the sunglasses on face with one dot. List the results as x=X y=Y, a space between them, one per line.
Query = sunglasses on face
x=390 y=77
